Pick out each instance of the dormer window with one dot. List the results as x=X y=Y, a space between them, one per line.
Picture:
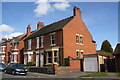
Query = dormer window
x=29 y=44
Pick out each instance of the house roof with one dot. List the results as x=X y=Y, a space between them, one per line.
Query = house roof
x=50 y=28
x=4 y=43
x=103 y=53
x=117 y=50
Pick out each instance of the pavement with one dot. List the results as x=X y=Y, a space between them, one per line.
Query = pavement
x=69 y=76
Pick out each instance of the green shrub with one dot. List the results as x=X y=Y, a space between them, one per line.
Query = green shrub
x=31 y=64
x=66 y=62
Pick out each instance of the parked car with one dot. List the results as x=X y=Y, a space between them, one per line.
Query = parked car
x=15 y=68
x=2 y=67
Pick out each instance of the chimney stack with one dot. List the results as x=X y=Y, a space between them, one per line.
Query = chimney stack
x=40 y=25
x=76 y=12
x=4 y=39
x=28 y=30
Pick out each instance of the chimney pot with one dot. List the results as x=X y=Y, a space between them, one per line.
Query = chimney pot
x=40 y=25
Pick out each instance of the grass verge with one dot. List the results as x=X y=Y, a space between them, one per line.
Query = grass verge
x=117 y=74
x=98 y=74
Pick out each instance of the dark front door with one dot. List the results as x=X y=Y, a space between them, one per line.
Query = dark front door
x=81 y=64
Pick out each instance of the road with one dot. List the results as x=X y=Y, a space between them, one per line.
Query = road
x=70 y=76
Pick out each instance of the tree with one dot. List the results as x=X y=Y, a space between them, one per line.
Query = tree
x=106 y=46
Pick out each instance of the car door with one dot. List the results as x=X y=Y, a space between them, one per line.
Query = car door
x=9 y=68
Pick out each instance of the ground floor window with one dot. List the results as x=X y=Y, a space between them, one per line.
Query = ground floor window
x=52 y=57
x=29 y=57
x=55 y=57
x=49 y=56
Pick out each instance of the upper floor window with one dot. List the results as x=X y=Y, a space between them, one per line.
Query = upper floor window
x=41 y=41
x=29 y=44
x=77 y=38
x=81 y=39
x=52 y=39
x=37 y=43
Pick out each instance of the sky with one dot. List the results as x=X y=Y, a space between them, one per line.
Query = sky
x=101 y=18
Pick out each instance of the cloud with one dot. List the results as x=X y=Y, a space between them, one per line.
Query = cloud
x=10 y=36
x=44 y=7
x=6 y=28
x=61 y=5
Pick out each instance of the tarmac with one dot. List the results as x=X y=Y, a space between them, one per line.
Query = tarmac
x=75 y=75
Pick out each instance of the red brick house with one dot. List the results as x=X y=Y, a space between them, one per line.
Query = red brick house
x=2 y=50
x=54 y=43
x=5 y=51
x=12 y=50
x=17 y=46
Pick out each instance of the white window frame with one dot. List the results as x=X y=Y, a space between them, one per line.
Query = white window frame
x=77 y=55
x=55 y=56
x=30 y=57
x=37 y=42
x=77 y=38
x=52 y=39
x=49 y=57
x=41 y=41
x=80 y=55
x=29 y=44
x=81 y=39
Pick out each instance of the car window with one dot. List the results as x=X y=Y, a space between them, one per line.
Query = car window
x=10 y=65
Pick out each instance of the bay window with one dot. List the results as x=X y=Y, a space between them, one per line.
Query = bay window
x=55 y=57
x=49 y=57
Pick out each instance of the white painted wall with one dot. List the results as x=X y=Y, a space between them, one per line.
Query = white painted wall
x=91 y=64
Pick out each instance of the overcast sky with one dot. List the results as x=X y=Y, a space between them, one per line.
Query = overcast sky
x=101 y=18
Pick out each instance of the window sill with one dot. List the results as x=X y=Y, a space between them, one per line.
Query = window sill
x=52 y=44
x=48 y=64
x=77 y=43
x=37 y=47
x=42 y=47
x=28 y=49
x=81 y=44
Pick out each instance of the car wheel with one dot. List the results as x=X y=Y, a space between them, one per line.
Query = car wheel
x=13 y=72
x=5 y=71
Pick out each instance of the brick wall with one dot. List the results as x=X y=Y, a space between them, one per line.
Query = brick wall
x=46 y=41
x=75 y=65
x=77 y=26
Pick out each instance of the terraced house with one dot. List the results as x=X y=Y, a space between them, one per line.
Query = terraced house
x=54 y=43
x=12 y=50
